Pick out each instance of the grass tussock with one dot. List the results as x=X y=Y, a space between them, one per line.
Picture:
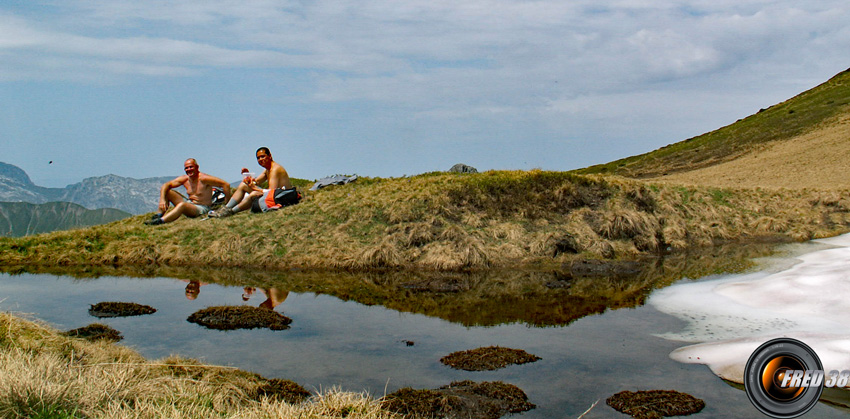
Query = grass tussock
x=460 y=399
x=239 y=317
x=451 y=222
x=46 y=374
x=119 y=309
x=95 y=332
x=654 y=404
x=487 y=359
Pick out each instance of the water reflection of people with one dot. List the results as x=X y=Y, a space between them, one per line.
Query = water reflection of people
x=193 y=288
x=247 y=292
x=273 y=295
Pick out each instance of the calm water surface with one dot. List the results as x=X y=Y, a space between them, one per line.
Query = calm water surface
x=339 y=342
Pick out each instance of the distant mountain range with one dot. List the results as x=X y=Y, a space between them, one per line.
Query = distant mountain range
x=134 y=196
x=23 y=218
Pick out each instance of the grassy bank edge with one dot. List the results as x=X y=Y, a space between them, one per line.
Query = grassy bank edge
x=451 y=222
x=46 y=374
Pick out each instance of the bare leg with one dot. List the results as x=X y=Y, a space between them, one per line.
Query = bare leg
x=239 y=193
x=183 y=208
x=174 y=198
x=241 y=200
x=248 y=200
x=180 y=208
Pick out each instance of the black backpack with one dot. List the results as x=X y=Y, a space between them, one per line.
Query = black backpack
x=286 y=197
x=282 y=197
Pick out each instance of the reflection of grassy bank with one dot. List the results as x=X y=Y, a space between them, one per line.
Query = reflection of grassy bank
x=44 y=374
x=449 y=222
x=540 y=298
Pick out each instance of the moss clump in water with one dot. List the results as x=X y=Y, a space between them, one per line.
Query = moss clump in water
x=95 y=332
x=118 y=309
x=487 y=359
x=655 y=404
x=239 y=317
x=462 y=399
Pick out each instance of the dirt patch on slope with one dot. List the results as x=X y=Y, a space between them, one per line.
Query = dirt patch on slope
x=819 y=159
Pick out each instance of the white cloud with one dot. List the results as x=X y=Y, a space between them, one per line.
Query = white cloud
x=16 y=34
x=669 y=54
x=599 y=45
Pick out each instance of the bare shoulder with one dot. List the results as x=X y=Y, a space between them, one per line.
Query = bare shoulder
x=278 y=177
x=210 y=179
x=179 y=180
x=277 y=169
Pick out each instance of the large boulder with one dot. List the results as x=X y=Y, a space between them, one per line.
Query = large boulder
x=462 y=168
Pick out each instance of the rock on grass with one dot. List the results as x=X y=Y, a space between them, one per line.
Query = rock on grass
x=462 y=399
x=655 y=404
x=95 y=332
x=239 y=317
x=118 y=309
x=487 y=359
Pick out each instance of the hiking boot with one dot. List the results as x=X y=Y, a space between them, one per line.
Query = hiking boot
x=156 y=215
x=154 y=221
x=221 y=213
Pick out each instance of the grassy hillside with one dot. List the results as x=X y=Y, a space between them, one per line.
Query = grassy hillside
x=801 y=114
x=21 y=218
x=444 y=222
x=817 y=159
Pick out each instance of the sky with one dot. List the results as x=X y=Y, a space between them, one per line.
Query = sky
x=390 y=88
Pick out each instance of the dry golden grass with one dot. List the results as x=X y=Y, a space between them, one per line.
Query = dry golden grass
x=446 y=222
x=44 y=374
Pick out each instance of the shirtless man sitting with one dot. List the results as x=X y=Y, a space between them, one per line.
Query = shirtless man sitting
x=199 y=188
x=248 y=192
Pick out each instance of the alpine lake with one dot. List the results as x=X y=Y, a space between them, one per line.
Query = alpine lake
x=379 y=332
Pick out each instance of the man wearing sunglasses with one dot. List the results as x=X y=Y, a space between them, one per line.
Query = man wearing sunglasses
x=199 y=188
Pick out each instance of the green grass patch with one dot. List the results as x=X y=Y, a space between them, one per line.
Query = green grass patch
x=720 y=196
x=190 y=237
